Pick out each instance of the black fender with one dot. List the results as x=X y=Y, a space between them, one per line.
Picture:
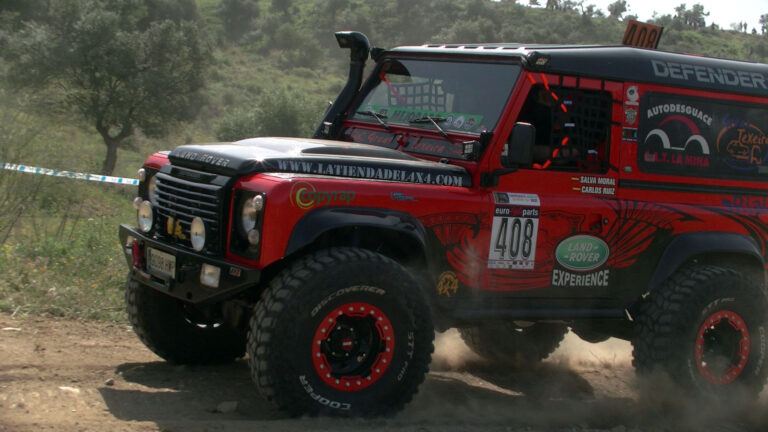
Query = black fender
x=687 y=246
x=320 y=221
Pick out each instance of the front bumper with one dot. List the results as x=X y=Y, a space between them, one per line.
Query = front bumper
x=185 y=282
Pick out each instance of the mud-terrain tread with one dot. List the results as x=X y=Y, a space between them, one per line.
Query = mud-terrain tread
x=158 y=321
x=672 y=310
x=503 y=342
x=287 y=290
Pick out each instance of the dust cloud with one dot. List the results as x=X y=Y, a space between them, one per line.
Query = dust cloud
x=580 y=387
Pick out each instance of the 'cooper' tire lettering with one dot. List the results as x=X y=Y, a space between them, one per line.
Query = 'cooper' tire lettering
x=341 y=292
x=320 y=399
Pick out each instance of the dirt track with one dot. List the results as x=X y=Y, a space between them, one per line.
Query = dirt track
x=67 y=375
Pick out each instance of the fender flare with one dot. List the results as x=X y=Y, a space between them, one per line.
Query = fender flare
x=685 y=246
x=317 y=222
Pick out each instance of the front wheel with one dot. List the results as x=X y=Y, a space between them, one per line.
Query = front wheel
x=706 y=327
x=342 y=331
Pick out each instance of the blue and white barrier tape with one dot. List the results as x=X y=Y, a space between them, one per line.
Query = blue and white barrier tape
x=69 y=174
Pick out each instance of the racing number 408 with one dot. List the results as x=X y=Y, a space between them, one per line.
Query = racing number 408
x=518 y=240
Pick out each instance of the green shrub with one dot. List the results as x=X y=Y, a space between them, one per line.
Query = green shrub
x=277 y=113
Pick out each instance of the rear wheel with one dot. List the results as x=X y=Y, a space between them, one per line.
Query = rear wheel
x=178 y=331
x=343 y=332
x=706 y=327
x=518 y=346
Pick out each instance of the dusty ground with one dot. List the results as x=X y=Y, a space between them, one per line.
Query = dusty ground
x=62 y=375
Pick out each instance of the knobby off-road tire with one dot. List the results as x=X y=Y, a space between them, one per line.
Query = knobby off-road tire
x=706 y=328
x=516 y=346
x=343 y=332
x=169 y=328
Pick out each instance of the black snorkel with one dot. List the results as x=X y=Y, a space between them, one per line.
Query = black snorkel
x=359 y=50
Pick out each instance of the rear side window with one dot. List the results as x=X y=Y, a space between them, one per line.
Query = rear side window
x=702 y=138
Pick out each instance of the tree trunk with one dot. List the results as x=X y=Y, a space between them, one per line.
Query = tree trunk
x=111 y=158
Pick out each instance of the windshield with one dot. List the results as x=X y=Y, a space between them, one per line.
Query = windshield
x=443 y=96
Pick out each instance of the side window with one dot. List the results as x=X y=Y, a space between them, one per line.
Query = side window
x=572 y=127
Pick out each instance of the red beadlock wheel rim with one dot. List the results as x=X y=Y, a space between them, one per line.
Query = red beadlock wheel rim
x=722 y=347
x=353 y=346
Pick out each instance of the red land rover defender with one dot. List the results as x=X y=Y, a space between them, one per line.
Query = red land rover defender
x=511 y=191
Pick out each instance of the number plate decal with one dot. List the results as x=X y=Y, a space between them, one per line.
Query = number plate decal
x=514 y=232
x=161 y=263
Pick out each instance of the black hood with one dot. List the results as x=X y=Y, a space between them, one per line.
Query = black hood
x=316 y=157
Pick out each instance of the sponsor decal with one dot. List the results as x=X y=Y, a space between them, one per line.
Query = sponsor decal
x=434 y=147
x=633 y=96
x=447 y=284
x=371 y=172
x=397 y=196
x=743 y=203
x=703 y=137
x=173 y=228
x=582 y=253
x=694 y=151
x=743 y=146
x=629 y=134
x=630 y=116
x=514 y=231
x=381 y=139
x=516 y=199
x=305 y=196
x=562 y=278
x=676 y=108
x=708 y=75
x=593 y=185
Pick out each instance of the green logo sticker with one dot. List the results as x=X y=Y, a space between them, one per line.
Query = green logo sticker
x=582 y=253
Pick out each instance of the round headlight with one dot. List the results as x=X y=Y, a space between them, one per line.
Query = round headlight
x=144 y=216
x=142 y=174
x=197 y=234
x=250 y=211
x=152 y=190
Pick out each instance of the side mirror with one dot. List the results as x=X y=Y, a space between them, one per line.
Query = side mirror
x=520 y=145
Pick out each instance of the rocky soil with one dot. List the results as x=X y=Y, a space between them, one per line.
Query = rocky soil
x=64 y=375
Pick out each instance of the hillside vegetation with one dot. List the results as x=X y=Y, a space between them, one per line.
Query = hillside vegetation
x=270 y=69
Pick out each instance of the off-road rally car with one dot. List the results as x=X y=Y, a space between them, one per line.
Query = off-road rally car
x=511 y=191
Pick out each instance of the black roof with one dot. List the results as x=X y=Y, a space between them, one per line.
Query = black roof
x=621 y=63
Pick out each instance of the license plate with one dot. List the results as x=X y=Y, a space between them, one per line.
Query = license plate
x=161 y=263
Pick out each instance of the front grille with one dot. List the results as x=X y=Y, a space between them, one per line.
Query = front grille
x=185 y=194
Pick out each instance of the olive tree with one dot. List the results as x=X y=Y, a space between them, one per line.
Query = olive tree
x=121 y=65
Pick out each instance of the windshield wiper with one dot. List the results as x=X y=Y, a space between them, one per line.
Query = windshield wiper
x=433 y=120
x=379 y=118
